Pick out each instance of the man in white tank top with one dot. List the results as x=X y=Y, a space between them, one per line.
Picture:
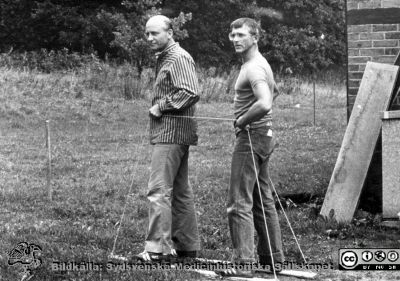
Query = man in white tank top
x=252 y=105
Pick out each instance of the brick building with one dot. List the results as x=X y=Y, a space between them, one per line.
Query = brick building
x=373 y=34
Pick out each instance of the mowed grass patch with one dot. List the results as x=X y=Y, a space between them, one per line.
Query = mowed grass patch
x=100 y=162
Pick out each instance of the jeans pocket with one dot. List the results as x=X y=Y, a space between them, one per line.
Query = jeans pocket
x=263 y=143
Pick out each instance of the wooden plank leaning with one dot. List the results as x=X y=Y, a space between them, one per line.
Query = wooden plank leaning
x=359 y=141
x=285 y=272
x=395 y=102
x=390 y=165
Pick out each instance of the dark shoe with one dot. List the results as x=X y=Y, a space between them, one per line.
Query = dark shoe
x=154 y=257
x=186 y=254
x=266 y=262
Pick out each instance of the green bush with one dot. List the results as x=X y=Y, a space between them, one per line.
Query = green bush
x=47 y=61
x=305 y=35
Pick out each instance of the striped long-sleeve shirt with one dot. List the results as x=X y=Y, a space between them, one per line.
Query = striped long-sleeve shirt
x=176 y=92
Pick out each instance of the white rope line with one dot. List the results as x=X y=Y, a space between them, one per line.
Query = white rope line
x=262 y=205
x=126 y=201
x=287 y=219
x=200 y=117
x=280 y=204
x=258 y=184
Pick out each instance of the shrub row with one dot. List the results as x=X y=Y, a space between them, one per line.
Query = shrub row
x=47 y=61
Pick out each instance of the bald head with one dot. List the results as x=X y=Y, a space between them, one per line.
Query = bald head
x=160 y=20
x=159 y=32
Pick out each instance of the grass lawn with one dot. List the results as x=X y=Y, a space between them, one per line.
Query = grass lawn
x=100 y=163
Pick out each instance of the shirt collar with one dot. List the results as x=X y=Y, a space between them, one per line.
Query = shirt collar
x=167 y=49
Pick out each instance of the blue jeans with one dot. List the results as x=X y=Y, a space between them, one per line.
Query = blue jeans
x=244 y=204
x=172 y=217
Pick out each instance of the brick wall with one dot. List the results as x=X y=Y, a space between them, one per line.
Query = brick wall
x=372 y=4
x=370 y=42
x=370 y=39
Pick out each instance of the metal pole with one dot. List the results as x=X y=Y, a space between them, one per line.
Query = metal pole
x=314 y=98
x=48 y=145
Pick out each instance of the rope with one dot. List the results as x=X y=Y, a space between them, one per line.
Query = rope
x=126 y=201
x=280 y=204
x=276 y=89
x=201 y=117
x=217 y=118
x=287 y=219
x=258 y=184
x=262 y=205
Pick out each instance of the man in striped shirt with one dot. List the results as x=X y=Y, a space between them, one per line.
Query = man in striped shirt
x=172 y=218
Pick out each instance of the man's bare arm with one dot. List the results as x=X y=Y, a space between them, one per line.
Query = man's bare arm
x=260 y=108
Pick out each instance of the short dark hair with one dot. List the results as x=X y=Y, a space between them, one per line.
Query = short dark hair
x=252 y=24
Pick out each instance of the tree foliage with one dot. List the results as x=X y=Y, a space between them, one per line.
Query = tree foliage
x=300 y=34
x=130 y=29
x=31 y=25
x=208 y=31
x=310 y=34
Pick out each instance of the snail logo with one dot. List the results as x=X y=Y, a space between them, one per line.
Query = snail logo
x=27 y=256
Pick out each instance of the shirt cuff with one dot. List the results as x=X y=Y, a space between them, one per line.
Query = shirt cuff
x=162 y=105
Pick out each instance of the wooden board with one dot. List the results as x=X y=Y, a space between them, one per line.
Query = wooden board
x=395 y=102
x=387 y=115
x=359 y=141
x=391 y=164
x=285 y=272
x=291 y=273
x=294 y=273
x=391 y=223
x=212 y=274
